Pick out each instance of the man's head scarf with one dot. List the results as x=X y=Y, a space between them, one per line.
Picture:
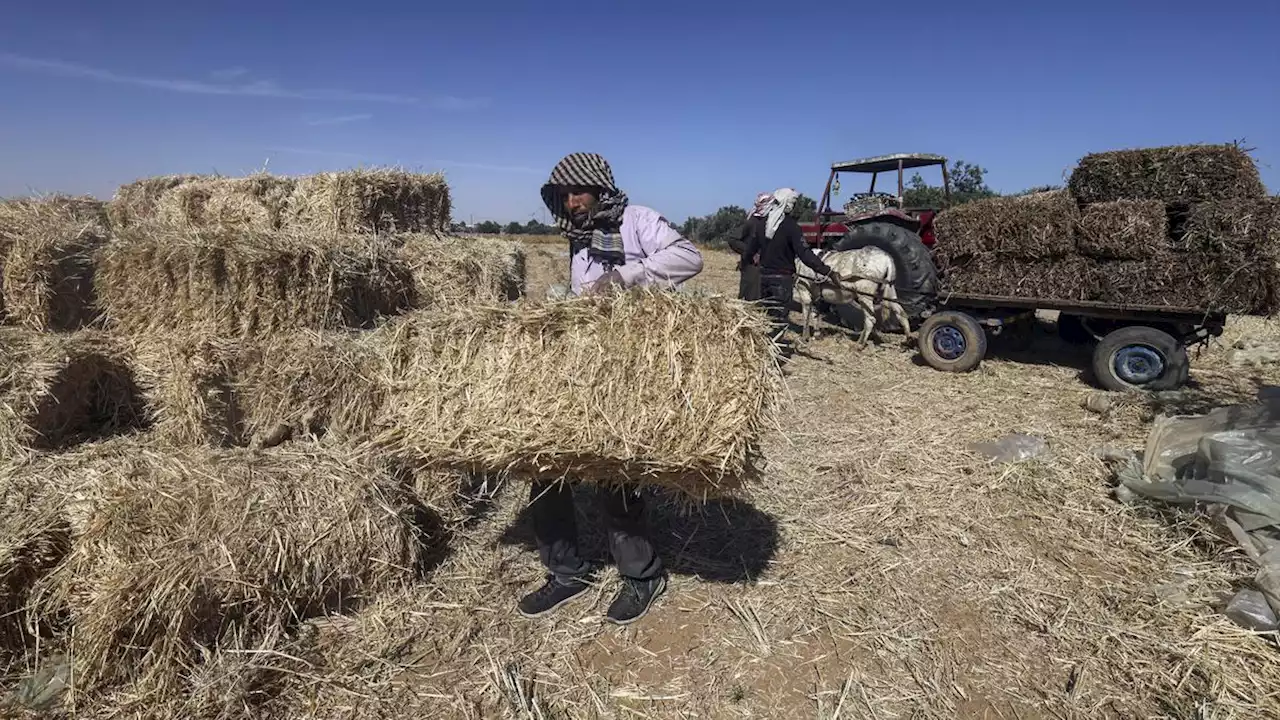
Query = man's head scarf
x=599 y=231
x=784 y=202
x=761 y=207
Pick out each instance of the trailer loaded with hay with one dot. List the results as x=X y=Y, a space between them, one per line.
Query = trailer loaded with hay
x=1146 y=253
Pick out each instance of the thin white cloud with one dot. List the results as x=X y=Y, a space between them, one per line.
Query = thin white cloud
x=257 y=88
x=339 y=120
x=228 y=74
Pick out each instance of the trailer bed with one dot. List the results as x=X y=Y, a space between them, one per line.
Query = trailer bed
x=1110 y=311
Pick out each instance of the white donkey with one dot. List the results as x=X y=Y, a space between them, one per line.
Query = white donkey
x=867 y=276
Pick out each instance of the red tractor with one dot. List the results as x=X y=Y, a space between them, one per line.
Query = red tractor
x=882 y=220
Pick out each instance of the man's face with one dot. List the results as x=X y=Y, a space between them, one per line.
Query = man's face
x=580 y=201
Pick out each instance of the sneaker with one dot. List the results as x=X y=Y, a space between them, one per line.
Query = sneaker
x=550 y=596
x=634 y=599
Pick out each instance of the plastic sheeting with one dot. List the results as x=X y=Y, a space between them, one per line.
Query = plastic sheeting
x=1228 y=460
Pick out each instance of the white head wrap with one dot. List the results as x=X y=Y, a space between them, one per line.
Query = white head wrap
x=784 y=201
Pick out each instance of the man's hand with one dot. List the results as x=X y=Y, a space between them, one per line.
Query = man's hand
x=834 y=278
x=607 y=283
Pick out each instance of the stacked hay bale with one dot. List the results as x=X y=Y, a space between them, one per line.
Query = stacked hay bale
x=47 y=248
x=60 y=390
x=247 y=283
x=35 y=538
x=1185 y=227
x=248 y=334
x=378 y=201
x=176 y=553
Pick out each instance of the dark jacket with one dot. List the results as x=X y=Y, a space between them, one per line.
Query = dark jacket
x=752 y=227
x=778 y=255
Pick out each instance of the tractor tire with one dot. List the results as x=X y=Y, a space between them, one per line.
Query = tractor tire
x=1140 y=358
x=917 y=280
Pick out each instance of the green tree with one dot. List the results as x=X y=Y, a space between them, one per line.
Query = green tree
x=488 y=227
x=691 y=227
x=806 y=208
x=513 y=228
x=716 y=229
x=968 y=183
x=533 y=227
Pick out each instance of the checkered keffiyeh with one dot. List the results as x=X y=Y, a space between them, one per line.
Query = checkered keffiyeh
x=600 y=232
x=761 y=208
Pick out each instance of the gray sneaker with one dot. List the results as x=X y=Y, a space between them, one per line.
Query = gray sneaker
x=634 y=599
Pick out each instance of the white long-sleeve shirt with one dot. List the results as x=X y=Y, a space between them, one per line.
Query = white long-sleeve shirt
x=656 y=254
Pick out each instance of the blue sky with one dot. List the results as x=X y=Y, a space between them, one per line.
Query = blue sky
x=696 y=105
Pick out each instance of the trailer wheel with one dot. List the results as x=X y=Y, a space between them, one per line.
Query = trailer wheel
x=1140 y=358
x=952 y=341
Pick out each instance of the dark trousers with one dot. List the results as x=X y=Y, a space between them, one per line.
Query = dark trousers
x=749 y=282
x=775 y=295
x=556 y=532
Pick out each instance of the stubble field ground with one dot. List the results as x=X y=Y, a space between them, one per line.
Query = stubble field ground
x=880 y=569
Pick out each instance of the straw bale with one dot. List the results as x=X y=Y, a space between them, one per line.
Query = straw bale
x=1124 y=230
x=1191 y=281
x=370 y=200
x=1241 y=229
x=297 y=384
x=48 y=247
x=186 y=380
x=137 y=201
x=1172 y=175
x=1024 y=227
x=256 y=202
x=1073 y=278
x=183 y=550
x=456 y=270
x=60 y=390
x=34 y=537
x=245 y=282
x=653 y=388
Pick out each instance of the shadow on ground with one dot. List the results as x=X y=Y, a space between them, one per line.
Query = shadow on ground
x=725 y=541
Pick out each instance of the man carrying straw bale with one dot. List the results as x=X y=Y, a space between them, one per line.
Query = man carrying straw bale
x=614 y=245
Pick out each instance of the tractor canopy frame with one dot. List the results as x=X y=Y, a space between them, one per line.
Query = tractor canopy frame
x=901 y=162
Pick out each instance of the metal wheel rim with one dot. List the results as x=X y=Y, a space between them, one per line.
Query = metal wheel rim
x=1138 y=364
x=948 y=342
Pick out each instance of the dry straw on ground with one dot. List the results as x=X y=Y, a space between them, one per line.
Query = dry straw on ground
x=59 y=390
x=1173 y=175
x=48 y=247
x=373 y=200
x=137 y=201
x=461 y=270
x=186 y=554
x=1124 y=230
x=256 y=202
x=647 y=387
x=247 y=283
x=1024 y=227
